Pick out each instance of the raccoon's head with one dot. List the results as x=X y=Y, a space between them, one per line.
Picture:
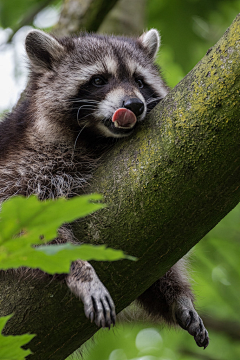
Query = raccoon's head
x=103 y=83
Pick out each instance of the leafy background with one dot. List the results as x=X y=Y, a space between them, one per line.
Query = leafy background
x=188 y=29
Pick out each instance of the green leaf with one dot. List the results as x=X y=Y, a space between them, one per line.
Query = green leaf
x=62 y=255
x=10 y=346
x=34 y=218
x=56 y=258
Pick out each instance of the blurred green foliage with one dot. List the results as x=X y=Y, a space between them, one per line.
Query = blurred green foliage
x=13 y=12
x=188 y=29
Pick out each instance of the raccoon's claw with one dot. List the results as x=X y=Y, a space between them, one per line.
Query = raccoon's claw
x=187 y=317
x=98 y=304
x=192 y=322
x=100 y=308
x=91 y=316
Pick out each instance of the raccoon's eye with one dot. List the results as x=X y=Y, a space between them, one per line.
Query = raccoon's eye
x=98 y=80
x=140 y=83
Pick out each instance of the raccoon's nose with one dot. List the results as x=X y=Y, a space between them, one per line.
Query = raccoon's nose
x=135 y=105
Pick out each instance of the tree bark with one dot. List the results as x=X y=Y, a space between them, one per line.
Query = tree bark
x=82 y=15
x=105 y=16
x=126 y=18
x=166 y=187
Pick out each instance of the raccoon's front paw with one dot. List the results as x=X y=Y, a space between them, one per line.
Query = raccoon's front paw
x=98 y=305
x=187 y=317
x=86 y=285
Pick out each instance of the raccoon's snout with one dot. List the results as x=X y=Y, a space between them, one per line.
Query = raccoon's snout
x=135 y=105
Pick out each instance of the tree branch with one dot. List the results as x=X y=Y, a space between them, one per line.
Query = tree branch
x=165 y=187
x=120 y=19
x=79 y=15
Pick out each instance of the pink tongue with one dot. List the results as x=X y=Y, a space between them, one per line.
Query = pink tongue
x=124 y=118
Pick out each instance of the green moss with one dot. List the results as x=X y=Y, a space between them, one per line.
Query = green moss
x=178 y=169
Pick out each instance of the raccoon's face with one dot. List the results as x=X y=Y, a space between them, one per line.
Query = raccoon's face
x=104 y=83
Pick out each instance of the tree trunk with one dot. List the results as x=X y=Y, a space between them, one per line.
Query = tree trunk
x=165 y=187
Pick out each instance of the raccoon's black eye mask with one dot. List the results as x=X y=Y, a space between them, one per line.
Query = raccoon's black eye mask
x=99 y=80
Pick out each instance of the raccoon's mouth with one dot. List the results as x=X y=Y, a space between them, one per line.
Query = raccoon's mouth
x=120 y=125
x=124 y=119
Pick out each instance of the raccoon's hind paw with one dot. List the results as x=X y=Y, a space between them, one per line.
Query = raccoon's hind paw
x=190 y=320
x=187 y=317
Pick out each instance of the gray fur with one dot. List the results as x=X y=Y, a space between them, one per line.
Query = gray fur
x=151 y=41
x=52 y=141
x=38 y=42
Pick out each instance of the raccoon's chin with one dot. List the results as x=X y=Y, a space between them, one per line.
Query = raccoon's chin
x=108 y=129
x=118 y=126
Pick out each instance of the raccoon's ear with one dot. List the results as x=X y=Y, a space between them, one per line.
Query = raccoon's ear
x=151 y=41
x=43 y=50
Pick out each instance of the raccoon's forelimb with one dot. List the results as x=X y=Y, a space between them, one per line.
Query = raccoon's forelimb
x=170 y=298
x=85 y=284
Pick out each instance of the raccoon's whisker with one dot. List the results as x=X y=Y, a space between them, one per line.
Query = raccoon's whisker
x=89 y=107
x=88 y=100
x=82 y=107
x=106 y=121
x=151 y=95
x=150 y=100
x=74 y=147
x=83 y=100
x=85 y=116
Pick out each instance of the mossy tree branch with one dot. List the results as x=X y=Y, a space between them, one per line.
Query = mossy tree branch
x=165 y=187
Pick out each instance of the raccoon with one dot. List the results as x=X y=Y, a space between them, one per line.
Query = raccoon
x=83 y=93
